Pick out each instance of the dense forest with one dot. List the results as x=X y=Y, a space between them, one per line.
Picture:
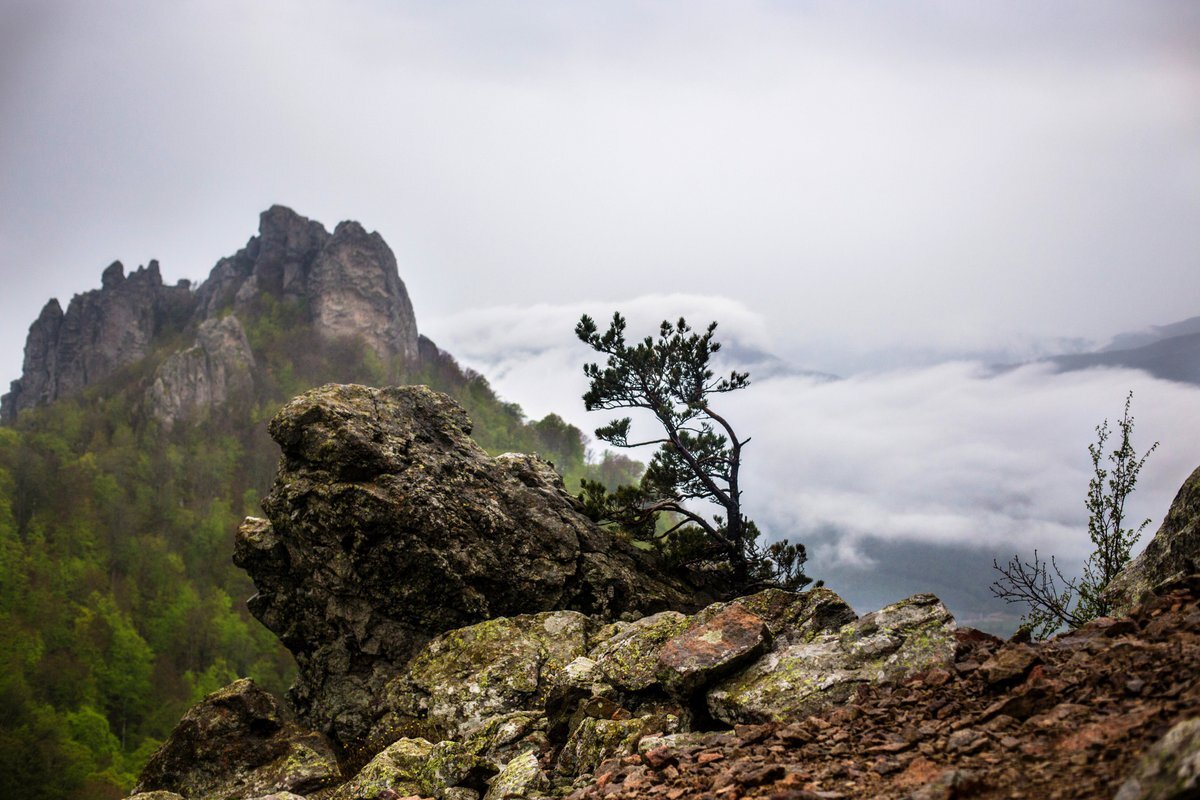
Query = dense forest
x=119 y=604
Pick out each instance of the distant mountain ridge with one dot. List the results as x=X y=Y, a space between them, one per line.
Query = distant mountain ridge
x=348 y=282
x=1169 y=352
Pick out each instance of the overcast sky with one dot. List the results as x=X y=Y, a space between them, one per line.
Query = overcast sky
x=866 y=189
x=876 y=180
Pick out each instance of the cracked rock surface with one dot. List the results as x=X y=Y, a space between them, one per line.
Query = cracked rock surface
x=387 y=525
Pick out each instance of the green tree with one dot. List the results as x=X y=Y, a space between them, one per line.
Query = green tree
x=1055 y=601
x=699 y=454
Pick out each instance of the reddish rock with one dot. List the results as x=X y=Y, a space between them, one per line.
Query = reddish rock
x=711 y=650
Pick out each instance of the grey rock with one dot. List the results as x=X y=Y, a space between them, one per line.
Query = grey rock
x=240 y=741
x=416 y=767
x=348 y=279
x=521 y=778
x=208 y=375
x=1170 y=769
x=388 y=525
x=347 y=282
x=1173 y=552
x=355 y=290
x=494 y=670
x=100 y=332
x=793 y=681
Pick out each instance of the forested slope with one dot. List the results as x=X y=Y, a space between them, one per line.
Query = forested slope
x=119 y=605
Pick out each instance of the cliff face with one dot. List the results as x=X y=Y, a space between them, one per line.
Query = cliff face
x=347 y=280
x=100 y=332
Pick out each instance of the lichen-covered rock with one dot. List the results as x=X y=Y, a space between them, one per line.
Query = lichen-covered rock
x=155 y=795
x=466 y=676
x=594 y=740
x=628 y=659
x=792 y=616
x=501 y=738
x=796 y=680
x=239 y=742
x=1173 y=552
x=520 y=779
x=416 y=767
x=1170 y=769
x=388 y=526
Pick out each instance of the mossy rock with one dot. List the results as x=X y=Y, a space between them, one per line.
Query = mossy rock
x=628 y=660
x=595 y=740
x=465 y=677
x=416 y=766
x=796 y=680
x=520 y=779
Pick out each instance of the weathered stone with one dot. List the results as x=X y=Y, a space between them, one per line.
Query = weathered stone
x=348 y=280
x=711 y=649
x=521 y=778
x=388 y=526
x=1170 y=769
x=792 y=616
x=155 y=795
x=628 y=660
x=1173 y=552
x=240 y=742
x=796 y=680
x=466 y=676
x=501 y=738
x=101 y=331
x=416 y=767
x=218 y=369
x=1010 y=665
x=594 y=740
x=355 y=290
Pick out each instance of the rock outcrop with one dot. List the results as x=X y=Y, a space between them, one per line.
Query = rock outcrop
x=216 y=370
x=240 y=742
x=463 y=633
x=1173 y=553
x=345 y=284
x=1113 y=704
x=100 y=332
x=388 y=525
x=348 y=279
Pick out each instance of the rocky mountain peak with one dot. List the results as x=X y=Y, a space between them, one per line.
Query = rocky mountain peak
x=101 y=331
x=348 y=281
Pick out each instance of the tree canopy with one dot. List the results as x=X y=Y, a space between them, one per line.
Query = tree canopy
x=699 y=455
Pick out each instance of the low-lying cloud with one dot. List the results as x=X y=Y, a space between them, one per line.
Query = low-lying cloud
x=952 y=459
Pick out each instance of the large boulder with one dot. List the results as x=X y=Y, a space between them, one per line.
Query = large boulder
x=387 y=525
x=466 y=677
x=807 y=677
x=240 y=741
x=1173 y=552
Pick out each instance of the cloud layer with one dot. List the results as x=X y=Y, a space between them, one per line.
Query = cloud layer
x=953 y=460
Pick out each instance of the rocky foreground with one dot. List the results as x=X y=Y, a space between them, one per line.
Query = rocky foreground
x=463 y=633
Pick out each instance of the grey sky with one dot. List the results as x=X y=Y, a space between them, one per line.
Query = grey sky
x=875 y=180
